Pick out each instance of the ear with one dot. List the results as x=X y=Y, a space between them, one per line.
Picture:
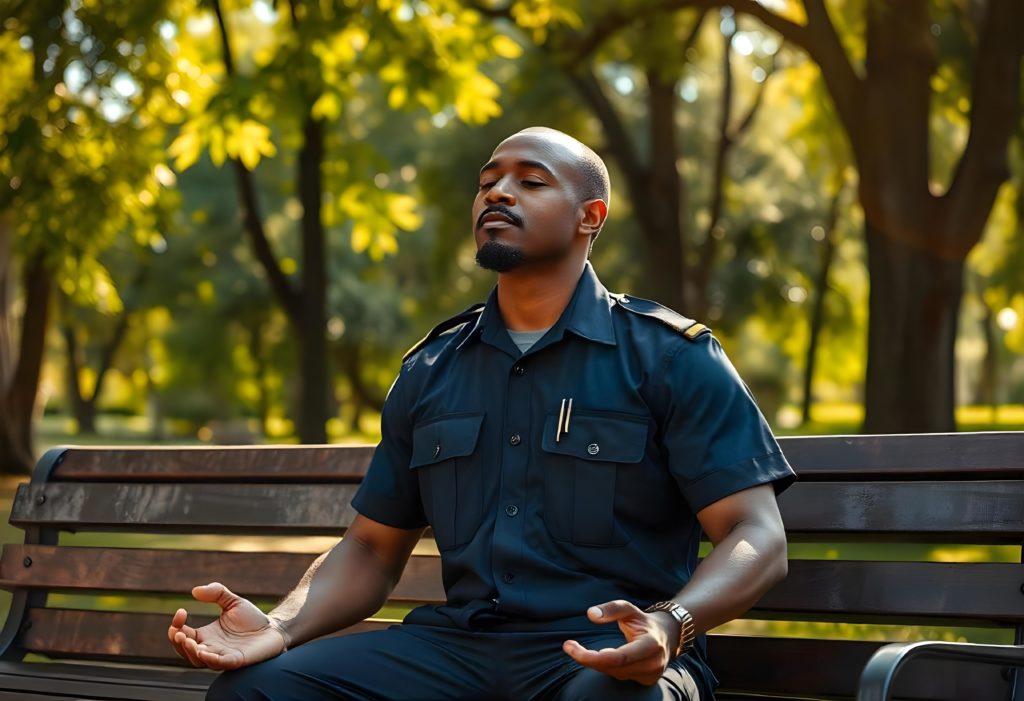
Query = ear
x=594 y=212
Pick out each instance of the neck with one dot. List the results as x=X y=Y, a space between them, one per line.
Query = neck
x=534 y=299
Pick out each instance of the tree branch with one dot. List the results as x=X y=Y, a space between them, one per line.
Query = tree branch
x=995 y=110
x=619 y=140
x=287 y=296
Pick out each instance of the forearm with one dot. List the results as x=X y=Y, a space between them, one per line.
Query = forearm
x=744 y=565
x=341 y=588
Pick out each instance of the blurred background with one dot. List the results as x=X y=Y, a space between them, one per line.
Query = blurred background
x=224 y=221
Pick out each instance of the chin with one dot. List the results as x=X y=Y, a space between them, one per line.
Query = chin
x=499 y=256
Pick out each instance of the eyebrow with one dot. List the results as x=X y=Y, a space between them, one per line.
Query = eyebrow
x=522 y=164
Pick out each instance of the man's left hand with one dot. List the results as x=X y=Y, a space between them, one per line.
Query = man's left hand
x=648 y=648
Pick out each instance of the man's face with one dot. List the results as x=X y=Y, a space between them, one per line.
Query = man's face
x=525 y=210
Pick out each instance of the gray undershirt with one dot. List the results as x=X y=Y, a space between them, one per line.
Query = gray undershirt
x=526 y=339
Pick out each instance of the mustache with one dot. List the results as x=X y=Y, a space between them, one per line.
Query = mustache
x=500 y=209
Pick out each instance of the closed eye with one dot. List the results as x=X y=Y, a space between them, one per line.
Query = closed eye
x=534 y=183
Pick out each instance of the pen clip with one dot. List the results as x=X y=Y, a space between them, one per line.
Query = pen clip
x=561 y=415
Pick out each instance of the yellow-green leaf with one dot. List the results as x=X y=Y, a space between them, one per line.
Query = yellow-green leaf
x=506 y=47
x=361 y=236
x=185 y=149
x=327 y=107
x=402 y=212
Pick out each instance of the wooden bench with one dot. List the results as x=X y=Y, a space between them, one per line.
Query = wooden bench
x=963 y=489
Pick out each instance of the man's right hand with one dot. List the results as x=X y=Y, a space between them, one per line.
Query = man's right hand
x=241 y=636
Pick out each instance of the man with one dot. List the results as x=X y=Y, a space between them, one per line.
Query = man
x=567 y=446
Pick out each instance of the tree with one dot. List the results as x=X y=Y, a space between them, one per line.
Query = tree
x=82 y=127
x=310 y=82
x=879 y=74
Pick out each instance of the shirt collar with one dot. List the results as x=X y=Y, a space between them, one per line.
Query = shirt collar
x=588 y=314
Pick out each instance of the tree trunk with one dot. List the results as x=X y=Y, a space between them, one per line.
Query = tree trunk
x=18 y=400
x=985 y=391
x=83 y=411
x=817 y=321
x=659 y=208
x=914 y=306
x=313 y=410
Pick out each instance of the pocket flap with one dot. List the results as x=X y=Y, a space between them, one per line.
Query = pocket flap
x=445 y=437
x=598 y=436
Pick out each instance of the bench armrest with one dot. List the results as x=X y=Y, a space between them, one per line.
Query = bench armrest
x=876 y=681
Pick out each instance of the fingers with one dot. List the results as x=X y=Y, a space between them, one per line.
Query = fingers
x=215 y=592
x=613 y=611
x=201 y=655
x=189 y=649
x=640 y=660
x=178 y=632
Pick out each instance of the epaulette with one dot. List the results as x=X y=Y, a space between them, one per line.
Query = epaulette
x=690 y=329
x=446 y=325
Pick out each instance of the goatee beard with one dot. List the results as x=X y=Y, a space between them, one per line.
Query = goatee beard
x=499 y=257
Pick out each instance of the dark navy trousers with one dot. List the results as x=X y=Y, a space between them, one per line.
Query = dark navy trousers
x=413 y=662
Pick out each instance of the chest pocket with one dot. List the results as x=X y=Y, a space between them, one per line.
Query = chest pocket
x=451 y=483
x=584 y=466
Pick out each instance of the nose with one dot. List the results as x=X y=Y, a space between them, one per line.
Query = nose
x=500 y=192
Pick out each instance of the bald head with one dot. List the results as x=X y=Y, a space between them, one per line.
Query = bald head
x=592 y=181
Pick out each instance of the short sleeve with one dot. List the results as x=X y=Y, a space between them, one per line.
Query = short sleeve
x=390 y=492
x=716 y=440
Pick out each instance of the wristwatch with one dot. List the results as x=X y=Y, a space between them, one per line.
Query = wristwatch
x=687 y=630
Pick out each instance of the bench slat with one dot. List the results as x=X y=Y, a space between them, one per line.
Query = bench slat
x=34 y=681
x=973 y=512
x=117 y=636
x=322 y=463
x=994 y=455
x=953 y=512
x=815 y=668
x=266 y=575
x=852 y=591
x=265 y=509
x=907 y=592
x=986 y=455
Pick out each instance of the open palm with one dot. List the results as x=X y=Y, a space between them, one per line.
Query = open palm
x=241 y=636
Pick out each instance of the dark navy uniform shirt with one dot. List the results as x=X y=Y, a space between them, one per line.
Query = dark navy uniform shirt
x=536 y=524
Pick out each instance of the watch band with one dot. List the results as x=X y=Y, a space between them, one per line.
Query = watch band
x=687 y=629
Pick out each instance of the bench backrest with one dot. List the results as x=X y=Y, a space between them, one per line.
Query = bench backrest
x=956 y=488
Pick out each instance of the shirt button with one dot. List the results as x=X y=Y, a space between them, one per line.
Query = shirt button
x=495 y=602
x=511 y=510
x=593 y=449
x=515 y=439
x=518 y=370
x=508 y=577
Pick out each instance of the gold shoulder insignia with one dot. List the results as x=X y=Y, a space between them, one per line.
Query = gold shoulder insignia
x=690 y=329
x=444 y=327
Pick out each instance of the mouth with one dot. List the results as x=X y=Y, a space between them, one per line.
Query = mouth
x=494 y=218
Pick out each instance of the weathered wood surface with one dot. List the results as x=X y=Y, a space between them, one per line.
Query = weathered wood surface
x=34 y=681
x=784 y=665
x=323 y=463
x=975 y=512
x=810 y=668
x=993 y=455
x=266 y=575
x=117 y=635
x=989 y=455
x=953 y=512
x=907 y=592
x=852 y=591
x=269 y=509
